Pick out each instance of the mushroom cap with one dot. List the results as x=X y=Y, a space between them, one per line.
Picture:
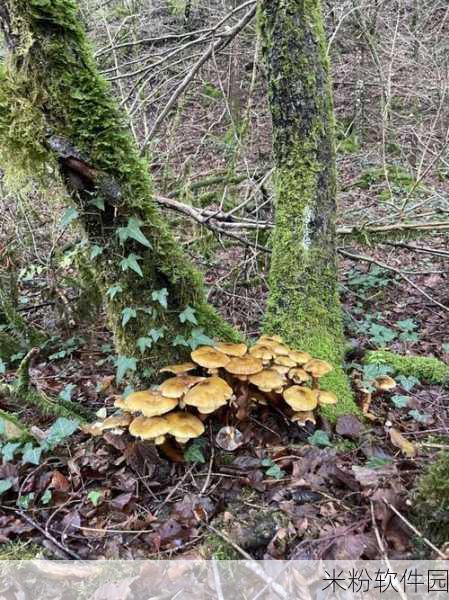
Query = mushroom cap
x=116 y=421
x=244 y=365
x=326 y=397
x=184 y=426
x=277 y=347
x=267 y=380
x=149 y=428
x=178 y=369
x=301 y=358
x=265 y=353
x=281 y=369
x=385 y=383
x=300 y=398
x=298 y=375
x=318 y=368
x=285 y=361
x=209 y=357
x=271 y=338
x=302 y=417
x=120 y=402
x=176 y=387
x=149 y=403
x=232 y=349
x=209 y=395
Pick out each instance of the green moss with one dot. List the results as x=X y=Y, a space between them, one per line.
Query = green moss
x=20 y=551
x=303 y=304
x=50 y=84
x=426 y=369
x=431 y=506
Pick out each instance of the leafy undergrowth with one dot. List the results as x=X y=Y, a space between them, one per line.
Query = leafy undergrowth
x=287 y=492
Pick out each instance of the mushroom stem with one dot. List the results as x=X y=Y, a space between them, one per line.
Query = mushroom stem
x=315 y=383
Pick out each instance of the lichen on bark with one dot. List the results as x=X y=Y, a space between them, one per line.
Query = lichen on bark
x=303 y=303
x=50 y=86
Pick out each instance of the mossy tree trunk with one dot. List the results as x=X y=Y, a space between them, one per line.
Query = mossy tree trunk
x=303 y=302
x=57 y=112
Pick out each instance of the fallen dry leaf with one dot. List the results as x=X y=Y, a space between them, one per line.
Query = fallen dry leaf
x=398 y=440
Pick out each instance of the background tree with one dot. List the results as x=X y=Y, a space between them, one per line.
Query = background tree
x=303 y=303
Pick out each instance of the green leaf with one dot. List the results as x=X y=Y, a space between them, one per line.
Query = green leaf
x=156 y=334
x=61 y=429
x=95 y=497
x=419 y=417
x=130 y=262
x=376 y=462
x=381 y=335
x=199 y=338
x=143 y=343
x=188 y=315
x=95 y=251
x=409 y=336
x=114 y=290
x=407 y=325
x=125 y=364
x=408 y=383
x=180 y=340
x=31 y=454
x=127 y=315
x=2 y=367
x=69 y=215
x=160 y=296
x=194 y=453
x=24 y=502
x=445 y=348
x=371 y=372
x=46 y=497
x=5 y=485
x=66 y=393
x=132 y=230
x=276 y=472
x=8 y=450
x=98 y=202
x=319 y=438
x=400 y=401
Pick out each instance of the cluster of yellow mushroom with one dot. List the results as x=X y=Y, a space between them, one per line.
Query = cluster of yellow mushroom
x=267 y=371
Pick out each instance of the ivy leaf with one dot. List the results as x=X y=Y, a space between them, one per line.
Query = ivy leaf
x=143 y=343
x=445 y=348
x=409 y=336
x=419 y=417
x=66 y=393
x=95 y=497
x=8 y=450
x=132 y=230
x=319 y=438
x=160 y=296
x=276 y=472
x=400 y=401
x=407 y=325
x=61 y=429
x=95 y=251
x=127 y=315
x=31 y=454
x=381 y=335
x=125 y=364
x=114 y=290
x=2 y=367
x=194 y=453
x=98 y=202
x=199 y=338
x=46 y=497
x=131 y=262
x=408 y=383
x=188 y=315
x=180 y=340
x=68 y=217
x=156 y=334
x=5 y=485
x=24 y=502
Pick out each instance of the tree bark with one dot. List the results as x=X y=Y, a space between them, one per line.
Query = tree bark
x=303 y=303
x=56 y=112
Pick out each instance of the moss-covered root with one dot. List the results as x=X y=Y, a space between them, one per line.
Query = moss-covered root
x=431 y=506
x=303 y=303
x=424 y=368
